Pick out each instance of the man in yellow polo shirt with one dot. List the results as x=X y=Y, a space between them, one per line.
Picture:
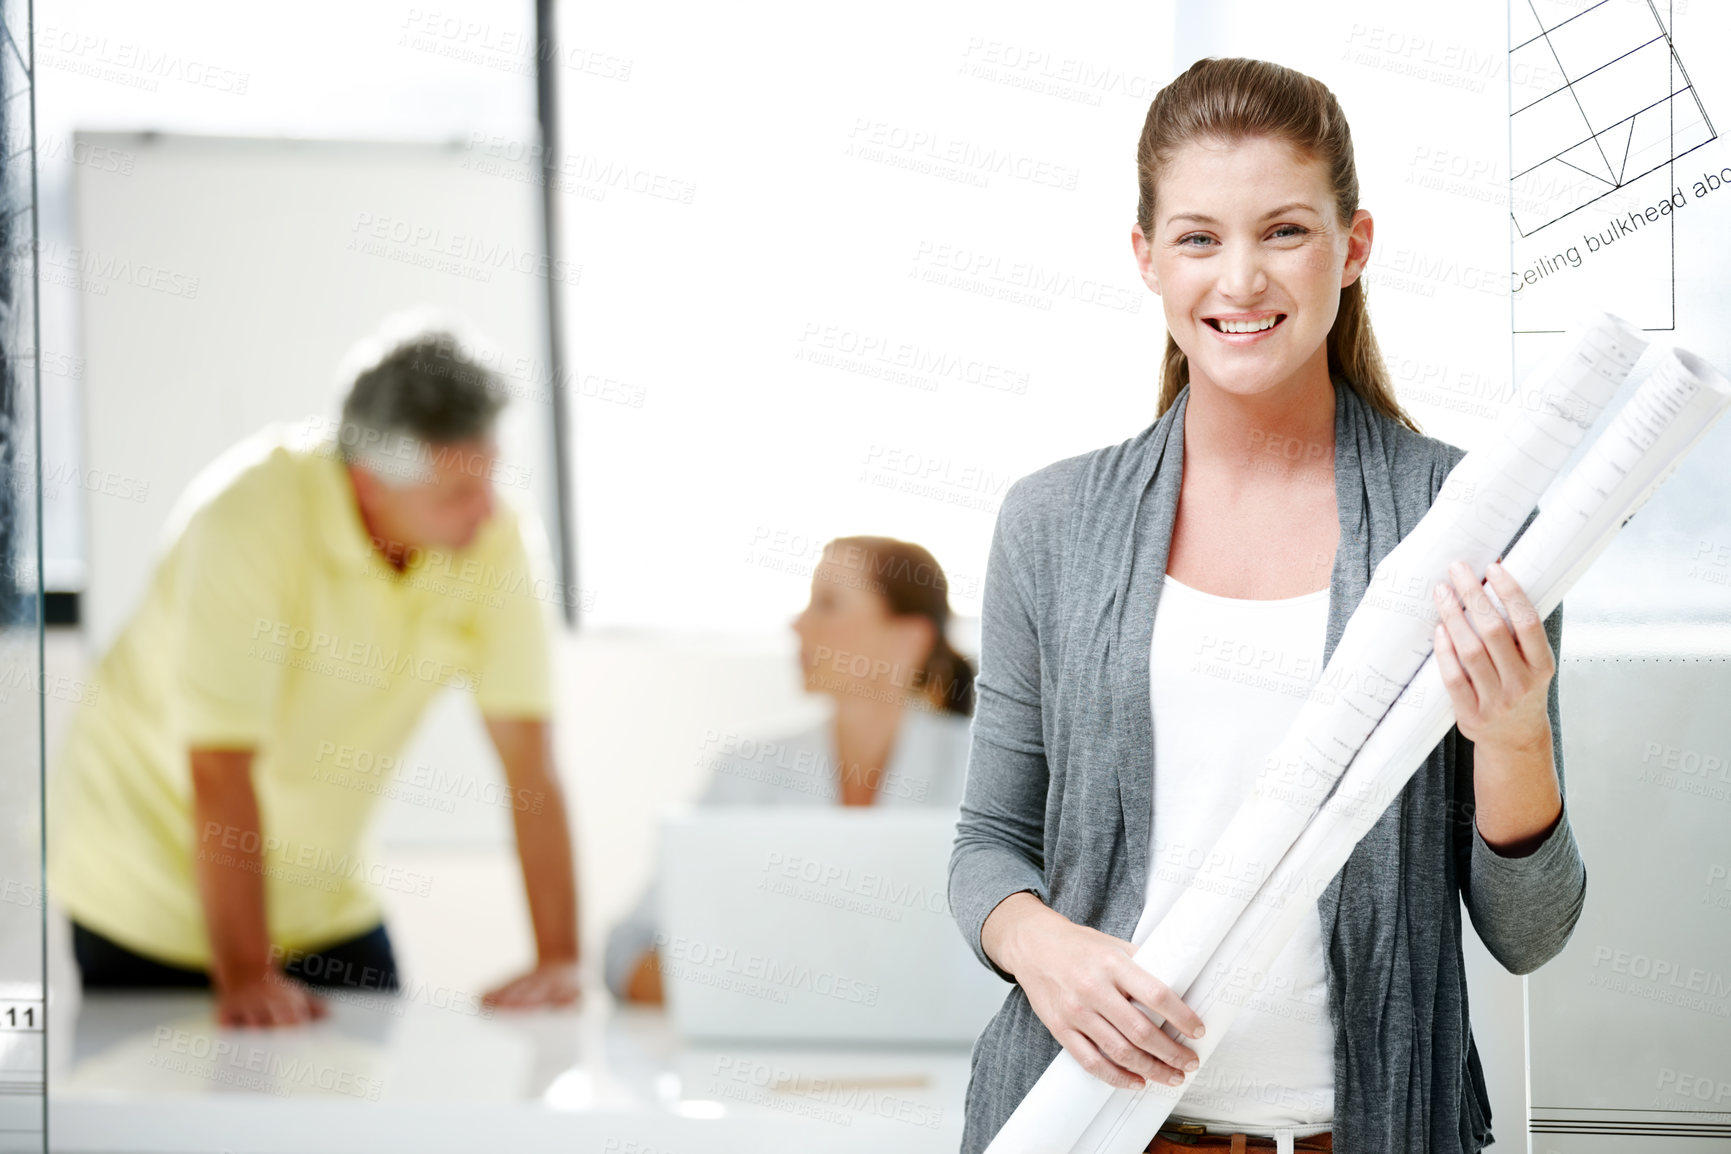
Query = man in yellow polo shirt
x=208 y=814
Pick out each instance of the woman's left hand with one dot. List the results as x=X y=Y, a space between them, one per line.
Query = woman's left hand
x=1497 y=672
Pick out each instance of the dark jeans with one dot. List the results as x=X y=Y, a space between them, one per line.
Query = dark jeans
x=364 y=963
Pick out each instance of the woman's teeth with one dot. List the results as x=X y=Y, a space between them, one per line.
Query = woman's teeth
x=1247 y=326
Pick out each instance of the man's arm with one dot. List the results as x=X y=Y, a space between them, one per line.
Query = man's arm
x=549 y=873
x=229 y=866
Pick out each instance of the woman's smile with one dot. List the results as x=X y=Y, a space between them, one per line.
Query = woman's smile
x=1244 y=328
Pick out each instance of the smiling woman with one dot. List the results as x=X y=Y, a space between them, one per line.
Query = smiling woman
x=1109 y=753
x=1274 y=187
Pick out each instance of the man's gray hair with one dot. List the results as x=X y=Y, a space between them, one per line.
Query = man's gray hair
x=418 y=382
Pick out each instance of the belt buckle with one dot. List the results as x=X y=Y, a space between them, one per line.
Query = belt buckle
x=1184 y=1133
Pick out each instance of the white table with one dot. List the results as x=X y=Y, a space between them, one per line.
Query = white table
x=152 y=1073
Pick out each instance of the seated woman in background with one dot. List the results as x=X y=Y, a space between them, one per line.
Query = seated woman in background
x=873 y=639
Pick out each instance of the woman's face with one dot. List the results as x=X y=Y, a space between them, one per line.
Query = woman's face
x=1248 y=258
x=850 y=643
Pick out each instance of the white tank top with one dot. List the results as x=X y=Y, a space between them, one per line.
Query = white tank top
x=1226 y=678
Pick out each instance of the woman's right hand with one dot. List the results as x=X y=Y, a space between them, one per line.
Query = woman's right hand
x=1080 y=983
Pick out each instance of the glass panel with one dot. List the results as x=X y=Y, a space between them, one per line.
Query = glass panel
x=21 y=681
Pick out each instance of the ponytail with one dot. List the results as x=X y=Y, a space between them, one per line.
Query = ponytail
x=949 y=679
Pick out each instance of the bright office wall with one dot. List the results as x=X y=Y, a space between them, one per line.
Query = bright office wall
x=843 y=274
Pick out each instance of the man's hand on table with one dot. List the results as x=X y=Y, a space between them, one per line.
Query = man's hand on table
x=270 y=999
x=548 y=984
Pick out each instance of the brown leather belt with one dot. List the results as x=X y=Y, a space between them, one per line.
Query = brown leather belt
x=1186 y=1137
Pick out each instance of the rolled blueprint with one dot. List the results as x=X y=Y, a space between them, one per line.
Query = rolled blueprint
x=1651 y=434
x=1069 y=1110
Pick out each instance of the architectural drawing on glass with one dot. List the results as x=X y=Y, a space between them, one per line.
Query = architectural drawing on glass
x=1603 y=110
x=1600 y=98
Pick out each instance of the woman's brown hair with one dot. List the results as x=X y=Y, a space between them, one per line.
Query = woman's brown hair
x=910 y=580
x=1234 y=99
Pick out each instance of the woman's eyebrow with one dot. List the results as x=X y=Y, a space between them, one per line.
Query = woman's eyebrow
x=1286 y=208
x=1199 y=218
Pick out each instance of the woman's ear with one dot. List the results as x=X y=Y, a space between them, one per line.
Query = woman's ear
x=1144 y=259
x=1358 y=240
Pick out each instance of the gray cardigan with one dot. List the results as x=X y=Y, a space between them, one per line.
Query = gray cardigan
x=1059 y=787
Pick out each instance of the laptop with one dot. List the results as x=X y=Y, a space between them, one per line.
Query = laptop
x=817 y=924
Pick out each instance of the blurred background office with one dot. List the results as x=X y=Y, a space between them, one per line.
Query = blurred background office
x=783 y=276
